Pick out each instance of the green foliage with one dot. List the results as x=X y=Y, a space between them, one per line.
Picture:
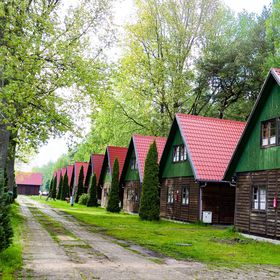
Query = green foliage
x=65 y=188
x=83 y=199
x=15 y=191
x=80 y=189
x=60 y=186
x=54 y=186
x=11 y=258
x=6 y=231
x=113 y=201
x=149 y=203
x=92 y=200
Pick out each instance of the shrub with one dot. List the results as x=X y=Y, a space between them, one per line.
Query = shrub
x=80 y=185
x=149 y=203
x=53 y=193
x=113 y=202
x=65 y=188
x=83 y=199
x=92 y=201
x=58 y=196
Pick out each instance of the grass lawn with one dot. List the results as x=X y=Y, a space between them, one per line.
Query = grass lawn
x=207 y=244
x=11 y=258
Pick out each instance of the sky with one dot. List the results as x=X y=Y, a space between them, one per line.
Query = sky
x=123 y=12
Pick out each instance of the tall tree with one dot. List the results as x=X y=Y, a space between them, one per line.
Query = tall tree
x=65 y=188
x=149 y=203
x=92 y=200
x=80 y=188
x=50 y=189
x=155 y=76
x=114 y=199
x=41 y=51
x=231 y=67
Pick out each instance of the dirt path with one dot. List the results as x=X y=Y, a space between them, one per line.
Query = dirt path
x=74 y=252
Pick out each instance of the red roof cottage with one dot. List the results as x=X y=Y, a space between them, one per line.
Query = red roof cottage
x=76 y=172
x=94 y=167
x=107 y=169
x=133 y=171
x=192 y=167
x=29 y=183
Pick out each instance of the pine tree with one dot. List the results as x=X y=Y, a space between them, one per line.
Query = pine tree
x=65 y=188
x=92 y=201
x=113 y=202
x=80 y=185
x=53 y=195
x=150 y=201
x=50 y=189
x=58 y=195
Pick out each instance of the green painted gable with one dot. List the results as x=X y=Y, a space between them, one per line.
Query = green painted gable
x=253 y=157
x=131 y=175
x=178 y=169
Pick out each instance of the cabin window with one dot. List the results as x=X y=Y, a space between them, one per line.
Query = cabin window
x=170 y=195
x=259 y=198
x=132 y=195
x=179 y=153
x=268 y=134
x=133 y=163
x=185 y=195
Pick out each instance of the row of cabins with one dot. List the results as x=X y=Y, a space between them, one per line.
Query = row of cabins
x=218 y=171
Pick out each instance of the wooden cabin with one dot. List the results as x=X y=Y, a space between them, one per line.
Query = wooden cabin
x=70 y=176
x=133 y=171
x=255 y=165
x=75 y=175
x=193 y=163
x=28 y=183
x=105 y=179
x=94 y=167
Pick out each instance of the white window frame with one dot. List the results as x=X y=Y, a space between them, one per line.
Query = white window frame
x=259 y=198
x=170 y=195
x=186 y=199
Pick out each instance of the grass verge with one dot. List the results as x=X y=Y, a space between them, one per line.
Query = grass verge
x=11 y=258
x=208 y=244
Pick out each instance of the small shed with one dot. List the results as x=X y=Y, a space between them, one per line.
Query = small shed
x=29 y=183
x=133 y=171
x=192 y=167
x=105 y=179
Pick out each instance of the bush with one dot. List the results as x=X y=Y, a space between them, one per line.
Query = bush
x=80 y=185
x=92 y=201
x=83 y=199
x=113 y=202
x=150 y=201
x=65 y=188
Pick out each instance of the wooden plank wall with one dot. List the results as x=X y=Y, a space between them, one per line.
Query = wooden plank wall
x=131 y=205
x=176 y=210
x=264 y=223
x=28 y=189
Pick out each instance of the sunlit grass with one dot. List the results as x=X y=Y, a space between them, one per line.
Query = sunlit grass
x=207 y=244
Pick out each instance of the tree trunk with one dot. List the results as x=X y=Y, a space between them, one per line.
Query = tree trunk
x=10 y=166
x=4 y=144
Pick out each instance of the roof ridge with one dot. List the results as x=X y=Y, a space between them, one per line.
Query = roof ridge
x=211 y=118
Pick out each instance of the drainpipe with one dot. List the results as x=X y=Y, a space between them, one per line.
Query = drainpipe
x=201 y=185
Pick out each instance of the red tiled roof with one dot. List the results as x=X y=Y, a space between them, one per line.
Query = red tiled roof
x=77 y=167
x=142 y=145
x=70 y=173
x=63 y=171
x=29 y=178
x=116 y=152
x=210 y=143
x=96 y=163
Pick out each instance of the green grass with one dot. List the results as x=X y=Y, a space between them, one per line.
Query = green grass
x=11 y=258
x=208 y=244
